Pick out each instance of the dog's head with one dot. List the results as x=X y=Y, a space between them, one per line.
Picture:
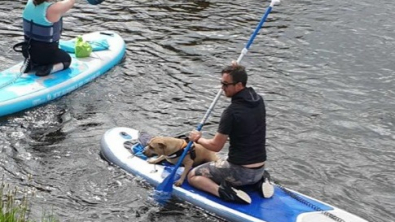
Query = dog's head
x=155 y=146
x=162 y=146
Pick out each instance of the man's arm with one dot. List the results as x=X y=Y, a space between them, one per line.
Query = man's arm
x=214 y=144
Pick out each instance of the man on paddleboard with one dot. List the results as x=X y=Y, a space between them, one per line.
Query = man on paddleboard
x=244 y=122
x=42 y=27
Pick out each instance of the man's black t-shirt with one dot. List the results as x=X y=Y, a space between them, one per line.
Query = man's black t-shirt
x=244 y=121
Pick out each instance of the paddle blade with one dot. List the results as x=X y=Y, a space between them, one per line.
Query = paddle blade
x=164 y=189
x=161 y=197
x=167 y=183
x=95 y=2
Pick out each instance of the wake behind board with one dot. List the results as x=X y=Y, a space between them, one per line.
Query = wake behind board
x=285 y=205
x=22 y=91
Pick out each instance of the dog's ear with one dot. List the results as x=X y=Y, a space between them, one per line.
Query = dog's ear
x=161 y=145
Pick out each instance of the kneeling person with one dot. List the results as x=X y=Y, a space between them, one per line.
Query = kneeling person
x=244 y=122
x=42 y=27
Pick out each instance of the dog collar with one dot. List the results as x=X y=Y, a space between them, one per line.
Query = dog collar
x=180 y=151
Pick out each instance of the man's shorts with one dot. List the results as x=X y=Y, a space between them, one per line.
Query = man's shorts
x=235 y=174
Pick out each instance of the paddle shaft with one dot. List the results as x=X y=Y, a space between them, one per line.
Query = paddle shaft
x=243 y=52
x=198 y=128
x=255 y=33
x=167 y=183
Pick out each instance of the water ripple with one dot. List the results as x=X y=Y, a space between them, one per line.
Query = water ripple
x=324 y=68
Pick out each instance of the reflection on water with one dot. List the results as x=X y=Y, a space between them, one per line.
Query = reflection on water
x=323 y=67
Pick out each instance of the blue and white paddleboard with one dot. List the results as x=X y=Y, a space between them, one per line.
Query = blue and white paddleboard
x=285 y=205
x=22 y=91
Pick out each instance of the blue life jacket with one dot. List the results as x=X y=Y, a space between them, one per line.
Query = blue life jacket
x=36 y=25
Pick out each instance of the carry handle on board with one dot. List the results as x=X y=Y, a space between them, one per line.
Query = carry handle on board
x=164 y=189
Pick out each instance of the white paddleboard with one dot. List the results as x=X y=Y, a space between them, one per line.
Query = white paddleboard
x=285 y=205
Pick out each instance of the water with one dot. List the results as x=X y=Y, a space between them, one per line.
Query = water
x=324 y=68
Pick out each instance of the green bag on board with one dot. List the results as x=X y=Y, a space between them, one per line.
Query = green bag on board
x=82 y=49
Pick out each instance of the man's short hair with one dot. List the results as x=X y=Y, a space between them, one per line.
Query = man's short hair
x=237 y=72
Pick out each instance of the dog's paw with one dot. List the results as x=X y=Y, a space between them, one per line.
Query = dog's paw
x=178 y=183
x=151 y=161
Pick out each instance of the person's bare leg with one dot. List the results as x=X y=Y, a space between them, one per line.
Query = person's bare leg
x=203 y=183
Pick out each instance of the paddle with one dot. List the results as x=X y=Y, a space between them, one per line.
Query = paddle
x=164 y=189
x=95 y=2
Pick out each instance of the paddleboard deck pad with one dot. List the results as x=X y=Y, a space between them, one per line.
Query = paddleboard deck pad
x=22 y=91
x=285 y=205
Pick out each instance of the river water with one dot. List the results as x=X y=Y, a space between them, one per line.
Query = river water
x=323 y=67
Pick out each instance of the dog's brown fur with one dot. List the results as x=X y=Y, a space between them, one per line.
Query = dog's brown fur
x=164 y=146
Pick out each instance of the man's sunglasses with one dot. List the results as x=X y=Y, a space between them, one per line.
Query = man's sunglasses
x=226 y=84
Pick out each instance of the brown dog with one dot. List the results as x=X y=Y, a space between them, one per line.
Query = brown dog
x=170 y=149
